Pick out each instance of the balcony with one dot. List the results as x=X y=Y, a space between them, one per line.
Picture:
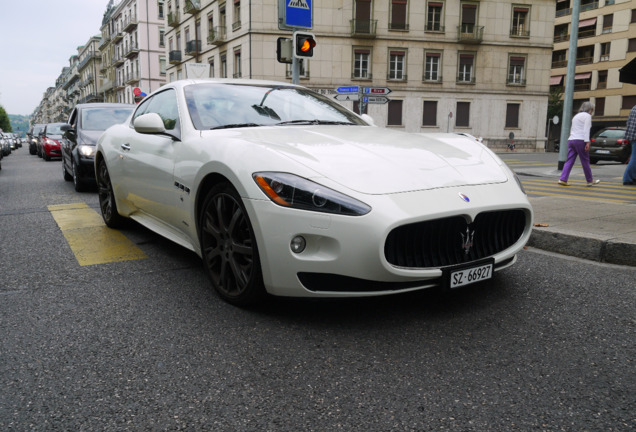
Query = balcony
x=563 y=12
x=131 y=78
x=116 y=37
x=587 y=32
x=131 y=51
x=398 y=26
x=192 y=6
x=86 y=60
x=561 y=38
x=193 y=47
x=468 y=33
x=589 y=6
x=130 y=24
x=559 y=64
x=584 y=60
x=118 y=60
x=519 y=32
x=236 y=25
x=174 y=57
x=217 y=36
x=120 y=85
x=363 y=28
x=103 y=43
x=173 y=19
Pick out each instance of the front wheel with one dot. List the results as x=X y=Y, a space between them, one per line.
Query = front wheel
x=593 y=161
x=228 y=247
x=106 y=195
x=77 y=181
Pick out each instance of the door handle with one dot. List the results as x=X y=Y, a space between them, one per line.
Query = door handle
x=125 y=147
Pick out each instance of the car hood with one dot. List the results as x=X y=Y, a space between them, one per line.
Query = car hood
x=374 y=160
x=89 y=137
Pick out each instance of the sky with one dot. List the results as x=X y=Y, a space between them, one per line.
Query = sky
x=37 y=38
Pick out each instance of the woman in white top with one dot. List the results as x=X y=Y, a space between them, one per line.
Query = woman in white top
x=579 y=145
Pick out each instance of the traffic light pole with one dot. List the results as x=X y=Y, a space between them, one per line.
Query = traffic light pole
x=295 y=70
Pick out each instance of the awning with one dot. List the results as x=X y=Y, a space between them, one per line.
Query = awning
x=581 y=76
x=556 y=80
x=587 y=22
x=627 y=74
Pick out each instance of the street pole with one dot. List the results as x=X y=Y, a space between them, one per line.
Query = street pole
x=295 y=70
x=569 y=84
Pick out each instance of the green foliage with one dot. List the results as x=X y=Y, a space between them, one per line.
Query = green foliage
x=20 y=124
x=5 y=123
x=555 y=103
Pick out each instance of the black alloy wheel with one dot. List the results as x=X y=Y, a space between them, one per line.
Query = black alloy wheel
x=67 y=176
x=228 y=247
x=106 y=195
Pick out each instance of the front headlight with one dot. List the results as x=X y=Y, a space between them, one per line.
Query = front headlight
x=86 y=151
x=289 y=190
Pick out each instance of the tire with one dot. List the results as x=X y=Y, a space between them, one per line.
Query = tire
x=67 y=176
x=77 y=181
x=593 y=161
x=228 y=247
x=107 y=203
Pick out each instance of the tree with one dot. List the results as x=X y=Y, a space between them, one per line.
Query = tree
x=5 y=123
x=555 y=102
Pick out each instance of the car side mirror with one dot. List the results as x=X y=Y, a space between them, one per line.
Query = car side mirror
x=149 y=123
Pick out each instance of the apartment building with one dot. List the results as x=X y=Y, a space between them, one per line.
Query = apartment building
x=88 y=68
x=132 y=58
x=606 y=42
x=481 y=67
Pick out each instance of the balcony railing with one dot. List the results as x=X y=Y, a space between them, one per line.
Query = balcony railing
x=103 y=43
x=589 y=6
x=466 y=79
x=87 y=59
x=131 y=78
x=519 y=31
x=216 y=36
x=173 y=19
x=515 y=81
x=583 y=86
x=559 y=64
x=396 y=77
x=563 y=12
x=362 y=76
x=584 y=60
x=116 y=37
x=130 y=24
x=398 y=26
x=174 y=57
x=118 y=60
x=193 y=47
x=363 y=28
x=131 y=50
x=435 y=27
x=561 y=38
x=236 y=25
x=192 y=6
x=432 y=77
x=470 y=33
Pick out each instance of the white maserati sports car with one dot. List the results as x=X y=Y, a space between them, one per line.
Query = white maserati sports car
x=283 y=191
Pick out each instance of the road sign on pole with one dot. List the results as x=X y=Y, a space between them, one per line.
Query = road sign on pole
x=377 y=90
x=375 y=99
x=353 y=97
x=295 y=14
x=350 y=89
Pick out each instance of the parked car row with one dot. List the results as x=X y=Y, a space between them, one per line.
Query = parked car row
x=9 y=142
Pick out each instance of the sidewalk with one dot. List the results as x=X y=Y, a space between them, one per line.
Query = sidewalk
x=586 y=229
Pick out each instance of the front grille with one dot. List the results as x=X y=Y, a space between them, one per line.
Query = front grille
x=451 y=241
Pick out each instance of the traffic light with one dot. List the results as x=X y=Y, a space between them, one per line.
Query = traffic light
x=284 y=50
x=304 y=44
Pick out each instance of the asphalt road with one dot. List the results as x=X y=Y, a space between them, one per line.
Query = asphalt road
x=147 y=345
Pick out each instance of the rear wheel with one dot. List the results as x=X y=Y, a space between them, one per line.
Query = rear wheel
x=106 y=195
x=593 y=161
x=228 y=247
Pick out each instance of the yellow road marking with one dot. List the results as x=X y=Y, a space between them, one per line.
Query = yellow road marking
x=91 y=241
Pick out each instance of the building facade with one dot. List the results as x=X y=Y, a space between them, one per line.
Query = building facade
x=481 y=67
x=88 y=69
x=606 y=42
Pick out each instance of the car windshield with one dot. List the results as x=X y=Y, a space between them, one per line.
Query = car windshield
x=54 y=129
x=217 y=106
x=100 y=119
x=612 y=133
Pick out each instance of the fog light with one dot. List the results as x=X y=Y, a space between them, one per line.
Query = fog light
x=298 y=244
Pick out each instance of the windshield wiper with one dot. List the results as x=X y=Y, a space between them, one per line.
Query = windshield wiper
x=314 y=122
x=236 y=125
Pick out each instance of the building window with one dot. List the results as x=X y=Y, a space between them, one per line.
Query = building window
x=237 y=15
x=631 y=45
x=432 y=70
x=465 y=72
x=520 y=24
x=397 y=65
x=434 y=16
x=223 y=70
x=608 y=22
x=361 y=63
x=162 y=37
x=605 y=51
x=602 y=80
x=633 y=16
x=398 y=15
x=516 y=70
x=171 y=76
x=463 y=114
x=628 y=102
x=430 y=113
x=599 y=106
x=559 y=59
x=512 y=115
x=303 y=66
x=469 y=18
x=395 y=113
x=237 y=64
x=211 y=63
x=162 y=65
x=160 y=4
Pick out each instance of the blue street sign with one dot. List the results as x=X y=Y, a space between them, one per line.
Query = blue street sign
x=352 y=89
x=298 y=13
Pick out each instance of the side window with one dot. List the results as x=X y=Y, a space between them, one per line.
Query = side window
x=72 y=119
x=141 y=109
x=165 y=104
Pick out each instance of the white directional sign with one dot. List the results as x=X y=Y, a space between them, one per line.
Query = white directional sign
x=377 y=90
x=348 y=97
x=375 y=99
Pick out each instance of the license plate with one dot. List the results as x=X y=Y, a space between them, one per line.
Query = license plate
x=470 y=275
x=602 y=151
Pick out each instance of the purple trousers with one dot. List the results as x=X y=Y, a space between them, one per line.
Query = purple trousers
x=577 y=148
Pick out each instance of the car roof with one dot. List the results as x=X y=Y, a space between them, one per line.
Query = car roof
x=104 y=105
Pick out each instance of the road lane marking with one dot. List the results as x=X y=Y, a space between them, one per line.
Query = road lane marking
x=91 y=241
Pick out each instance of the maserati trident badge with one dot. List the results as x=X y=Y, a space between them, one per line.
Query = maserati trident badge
x=467 y=240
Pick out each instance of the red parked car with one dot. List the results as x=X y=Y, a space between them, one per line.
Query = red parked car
x=49 y=144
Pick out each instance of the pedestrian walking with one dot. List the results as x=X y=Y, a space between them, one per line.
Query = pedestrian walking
x=629 y=177
x=579 y=145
